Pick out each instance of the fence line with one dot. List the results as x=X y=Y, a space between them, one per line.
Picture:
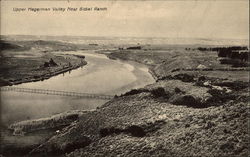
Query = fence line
x=55 y=92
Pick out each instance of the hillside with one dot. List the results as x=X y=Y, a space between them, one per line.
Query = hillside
x=185 y=113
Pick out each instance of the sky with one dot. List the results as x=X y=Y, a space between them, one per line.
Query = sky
x=171 y=19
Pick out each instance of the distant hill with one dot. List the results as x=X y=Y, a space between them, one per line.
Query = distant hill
x=11 y=46
x=17 y=45
x=129 y=40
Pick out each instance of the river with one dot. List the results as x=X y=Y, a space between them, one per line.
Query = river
x=101 y=75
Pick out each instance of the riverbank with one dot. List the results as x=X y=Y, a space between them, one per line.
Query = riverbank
x=164 y=62
x=31 y=133
x=185 y=113
x=30 y=64
x=56 y=121
x=43 y=73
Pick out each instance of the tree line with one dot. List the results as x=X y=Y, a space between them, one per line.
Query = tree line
x=233 y=52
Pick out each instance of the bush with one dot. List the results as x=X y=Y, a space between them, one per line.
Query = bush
x=219 y=96
x=109 y=131
x=184 y=77
x=186 y=100
x=159 y=92
x=135 y=91
x=177 y=90
x=135 y=131
x=236 y=85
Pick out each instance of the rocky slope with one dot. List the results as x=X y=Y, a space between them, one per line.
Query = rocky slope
x=142 y=124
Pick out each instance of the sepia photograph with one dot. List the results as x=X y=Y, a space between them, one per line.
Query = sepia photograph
x=108 y=78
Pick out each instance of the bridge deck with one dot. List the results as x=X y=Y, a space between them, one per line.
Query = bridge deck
x=55 y=92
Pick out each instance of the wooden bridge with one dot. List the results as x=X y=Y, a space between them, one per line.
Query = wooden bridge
x=55 y=92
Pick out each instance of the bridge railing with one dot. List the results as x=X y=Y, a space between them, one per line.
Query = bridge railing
x=55 y=92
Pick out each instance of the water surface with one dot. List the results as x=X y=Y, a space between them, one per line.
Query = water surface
x=100 y=76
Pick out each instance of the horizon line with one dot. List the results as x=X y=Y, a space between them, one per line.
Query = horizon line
x=202 y=38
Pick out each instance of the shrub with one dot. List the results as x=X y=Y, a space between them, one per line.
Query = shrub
x=218 y=96
x=135 y=91
x=186 y=100
x=159 y=92
x=135 y=131
x=184 y=77
x=177 y=90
